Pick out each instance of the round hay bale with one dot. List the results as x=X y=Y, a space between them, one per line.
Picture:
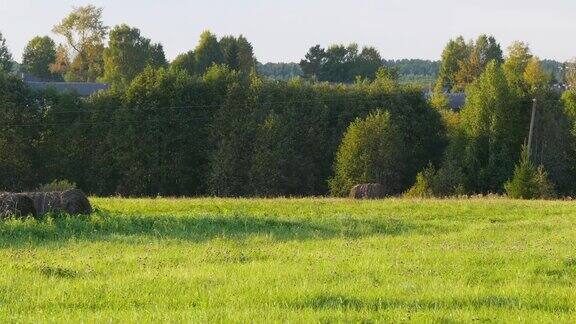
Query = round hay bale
x=73 y=202
x=367 y=191
x=16 y=205
x=46 y=202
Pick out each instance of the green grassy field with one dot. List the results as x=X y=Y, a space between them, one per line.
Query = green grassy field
x=293 y=260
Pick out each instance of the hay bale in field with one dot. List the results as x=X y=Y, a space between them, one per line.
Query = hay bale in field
x=16 y=205
x=367 y=191
x=73 y=202
x=46 y=202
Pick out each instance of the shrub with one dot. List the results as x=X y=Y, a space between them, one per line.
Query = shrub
x=57 y=185
x=450 y=179
x=371 y=152
x=423 y=188
x=528 y=181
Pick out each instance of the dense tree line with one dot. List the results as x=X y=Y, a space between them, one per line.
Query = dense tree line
x=173 y=133
x=417 y=72
x=279 y=71
x=414 y=66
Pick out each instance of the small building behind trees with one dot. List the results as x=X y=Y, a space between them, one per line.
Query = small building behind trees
x=82 y=89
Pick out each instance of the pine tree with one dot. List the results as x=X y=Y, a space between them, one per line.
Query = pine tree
x=528 y=182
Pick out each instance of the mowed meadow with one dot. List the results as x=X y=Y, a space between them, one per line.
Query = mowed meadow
x=293 y=260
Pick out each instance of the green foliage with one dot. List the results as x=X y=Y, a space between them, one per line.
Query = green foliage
x=57 y=185
x=450 y=179
x=5 y=56
x=207 y=53
x=127 y=54
x=238 y=54
x=422 y=188
x=281 y=138
x=462 y=62
x=494 y=121
x=312 y=63
x=234 y=52
x=172 y=136
x=481 y=52
x=517 y=61
x=414 y=67
x=185 y=62
x=210 y=125
x=569 y=102
x=39 y=53
x=19 y=159
x=447 y=181
x=554 y=69
x=420 y=73
x=440 y=100
x=279 y=71
x=529 y=182
x=63 y=137
x=569 y=74
x=486 y=137
x=535 y=77
x=84 y=32
x=553 y=143
x=229 y=46
x=415 y=72
x=341 y=63
x=455 y=52
x=246 y=59
x=371 y=152
x=61 y=65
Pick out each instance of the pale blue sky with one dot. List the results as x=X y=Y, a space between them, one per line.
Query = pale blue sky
x=284 y=30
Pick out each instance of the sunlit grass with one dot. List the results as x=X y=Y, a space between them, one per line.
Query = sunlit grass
x=293 y=260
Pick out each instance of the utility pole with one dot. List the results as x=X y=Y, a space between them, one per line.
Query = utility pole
x=531 y=133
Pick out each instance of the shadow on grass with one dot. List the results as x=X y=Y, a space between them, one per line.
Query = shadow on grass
x=340 y=302
x=102 y=226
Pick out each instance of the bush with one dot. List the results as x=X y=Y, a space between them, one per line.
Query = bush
x=444 y=182
x=528 y=181
x=57 y=185
x=423 y=188
x=371 y=152
x=450 y=179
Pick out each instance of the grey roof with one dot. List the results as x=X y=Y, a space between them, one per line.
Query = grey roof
x=83 y=89
x=456 y=101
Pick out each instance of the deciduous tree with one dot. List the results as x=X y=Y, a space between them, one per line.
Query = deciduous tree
x=127 y=54
x=5 y=56
x=207 y=53
x=84 y=32
x=38 y=55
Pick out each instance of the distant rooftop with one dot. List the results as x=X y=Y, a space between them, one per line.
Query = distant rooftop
x=456 y=100
x=83 y=89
